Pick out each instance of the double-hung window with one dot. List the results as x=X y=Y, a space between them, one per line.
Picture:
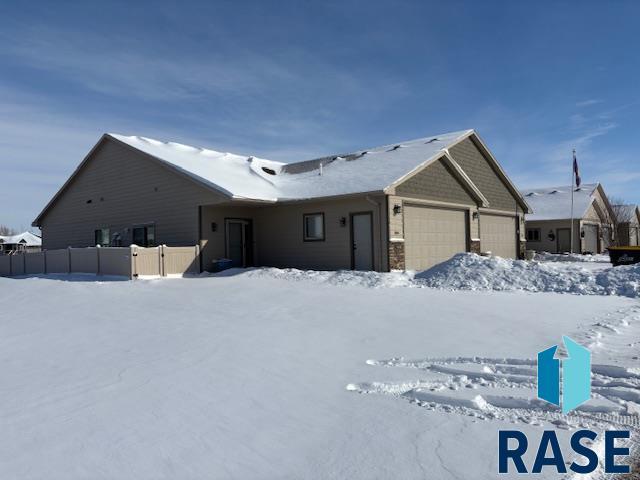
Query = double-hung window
x=313 y=225
x=533 y=234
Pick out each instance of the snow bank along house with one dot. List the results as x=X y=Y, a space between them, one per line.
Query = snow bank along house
x=549 y=227
x=408 y=205
x=24 y=242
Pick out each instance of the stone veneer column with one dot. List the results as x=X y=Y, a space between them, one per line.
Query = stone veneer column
x=396 y=255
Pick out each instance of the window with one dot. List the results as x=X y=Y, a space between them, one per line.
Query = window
x=313 y=227
x=101 y=237
x=144 y=236
x=533 y=234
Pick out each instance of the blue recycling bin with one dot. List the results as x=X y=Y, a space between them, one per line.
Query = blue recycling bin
x=221 y=264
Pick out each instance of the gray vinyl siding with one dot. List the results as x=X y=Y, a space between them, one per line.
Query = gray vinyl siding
x=483 y=175
x=278 y=233
x=126 y=188
x=435 y=182
x=551 y=226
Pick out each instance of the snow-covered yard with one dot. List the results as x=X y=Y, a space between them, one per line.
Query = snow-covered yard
x=286 y=374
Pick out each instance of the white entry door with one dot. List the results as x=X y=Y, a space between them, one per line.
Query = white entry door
x=362 y=241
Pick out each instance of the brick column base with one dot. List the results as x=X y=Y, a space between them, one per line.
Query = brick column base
x=396 y=256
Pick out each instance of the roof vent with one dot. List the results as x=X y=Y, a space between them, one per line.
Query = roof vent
x=269 y=171
x=396 y=147
x=432 y=140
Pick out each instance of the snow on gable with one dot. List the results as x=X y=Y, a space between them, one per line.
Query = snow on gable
x=554 y=203
x=235 y=175
x=258 y=179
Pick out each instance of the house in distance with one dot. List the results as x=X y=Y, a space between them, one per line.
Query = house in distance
x=549 y=227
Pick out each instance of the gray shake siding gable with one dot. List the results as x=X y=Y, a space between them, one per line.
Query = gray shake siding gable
x=119 y=188
x=435 y=182
x=474 y=163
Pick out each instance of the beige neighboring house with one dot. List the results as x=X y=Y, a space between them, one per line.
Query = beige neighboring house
x=628 y=225
x=407 y=205
x=548 y=229
x=22 y=242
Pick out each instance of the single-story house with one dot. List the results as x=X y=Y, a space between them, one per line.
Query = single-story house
x=407 y=205
x=22 y=242
x=628 y=225
x=548 y=229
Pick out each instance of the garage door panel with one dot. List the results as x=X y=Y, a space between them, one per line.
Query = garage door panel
x=498 y=235
x=590 y=242
x=433 y=235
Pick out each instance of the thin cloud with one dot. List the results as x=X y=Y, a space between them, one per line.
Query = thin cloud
x=588 y=103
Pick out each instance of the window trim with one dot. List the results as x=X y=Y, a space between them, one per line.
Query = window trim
x=539 y=232
x=305 y=238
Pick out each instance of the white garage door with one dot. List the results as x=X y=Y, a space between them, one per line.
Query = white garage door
x=433 y=235
x=590 y=241
x=498 y=235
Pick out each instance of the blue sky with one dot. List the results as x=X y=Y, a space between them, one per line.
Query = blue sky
x=291 y=80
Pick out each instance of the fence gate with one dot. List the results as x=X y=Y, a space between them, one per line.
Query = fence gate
x=163 y=261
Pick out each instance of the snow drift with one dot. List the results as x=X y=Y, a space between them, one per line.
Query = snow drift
x=468 y=271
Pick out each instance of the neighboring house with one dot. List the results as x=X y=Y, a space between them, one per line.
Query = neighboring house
x=408 y=205
x=549 y=227
x=23 y=242
x=628 y=225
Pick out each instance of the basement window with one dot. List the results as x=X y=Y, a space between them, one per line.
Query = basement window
x=533 y=234
x=313 y=226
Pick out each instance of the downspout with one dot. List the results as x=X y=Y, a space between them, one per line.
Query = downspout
x=381 y=239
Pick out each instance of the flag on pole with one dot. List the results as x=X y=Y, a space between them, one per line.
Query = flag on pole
x=575 y=169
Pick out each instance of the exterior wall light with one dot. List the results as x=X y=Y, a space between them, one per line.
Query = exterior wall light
x=343 y=221
x=475 y=215
x=397 y=209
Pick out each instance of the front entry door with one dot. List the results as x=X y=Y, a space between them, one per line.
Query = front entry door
x=239 y=242
x=362 y=241
x=564 y=240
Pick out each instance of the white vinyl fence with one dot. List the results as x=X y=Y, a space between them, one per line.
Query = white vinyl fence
x=131 y=262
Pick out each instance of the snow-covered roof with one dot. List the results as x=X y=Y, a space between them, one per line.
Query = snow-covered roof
x=554 y=203
x=26 y=238
x=254 y=178
x=626 y=213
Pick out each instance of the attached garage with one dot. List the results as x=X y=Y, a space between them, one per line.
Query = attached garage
x=590 y=238
x=498 y=233
x=433 y=235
